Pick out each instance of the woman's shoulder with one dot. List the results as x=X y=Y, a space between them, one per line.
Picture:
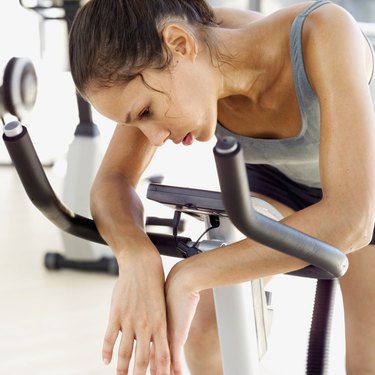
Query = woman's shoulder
x=280 y=19
x=234 y=18
x=327 y=21
x=327 y=13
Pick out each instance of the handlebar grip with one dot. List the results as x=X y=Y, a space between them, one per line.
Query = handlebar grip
x=236 y=197
x=38 y=188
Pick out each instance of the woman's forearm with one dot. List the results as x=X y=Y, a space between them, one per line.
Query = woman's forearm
x=247 y=259
x=118 y=213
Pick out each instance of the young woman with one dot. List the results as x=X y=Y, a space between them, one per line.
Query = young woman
x=294 y=88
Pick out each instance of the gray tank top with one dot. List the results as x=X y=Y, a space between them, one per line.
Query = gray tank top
x=296 y=157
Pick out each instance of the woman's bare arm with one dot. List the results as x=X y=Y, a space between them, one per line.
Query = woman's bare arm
x=115 y=206
x=138 y=311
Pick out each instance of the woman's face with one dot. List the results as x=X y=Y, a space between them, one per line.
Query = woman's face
x=180 y=104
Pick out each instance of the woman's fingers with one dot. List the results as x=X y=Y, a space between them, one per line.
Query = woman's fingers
x=160 y=359
x=155 y=353
x=147 y=350
x=152 y=360
x=142 y=355
x=109 y=342
x=125 y=353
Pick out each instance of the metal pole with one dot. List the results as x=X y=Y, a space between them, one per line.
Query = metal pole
x=254 y=5
x=234 y=308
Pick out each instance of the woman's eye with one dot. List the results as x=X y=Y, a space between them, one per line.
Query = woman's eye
x=145 y=113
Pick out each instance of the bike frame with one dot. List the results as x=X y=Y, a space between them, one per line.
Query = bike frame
x=236 y=317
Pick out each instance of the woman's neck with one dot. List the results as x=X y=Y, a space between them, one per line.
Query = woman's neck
x=250 y=63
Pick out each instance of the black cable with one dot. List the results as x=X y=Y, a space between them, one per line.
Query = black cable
x=200 y=237
x=215 y=223
x=191 y=250
x=176 y=222
x=2 y=120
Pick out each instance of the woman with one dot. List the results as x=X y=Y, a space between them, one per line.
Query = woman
x=293 y=87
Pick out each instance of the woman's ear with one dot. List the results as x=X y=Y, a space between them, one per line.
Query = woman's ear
x=180 y=41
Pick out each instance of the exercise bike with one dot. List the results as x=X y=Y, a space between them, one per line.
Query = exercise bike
x=241 y=309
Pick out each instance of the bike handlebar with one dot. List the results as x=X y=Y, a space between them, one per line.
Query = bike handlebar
x=42 y=195
x=38 y=188
x=233 y=182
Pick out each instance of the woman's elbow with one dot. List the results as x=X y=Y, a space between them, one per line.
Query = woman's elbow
x=368 y=227
x=360 y=228
x=95 y=197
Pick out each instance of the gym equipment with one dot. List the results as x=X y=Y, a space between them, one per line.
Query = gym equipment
x=241 y=309
x=254 y=5
x=53 y=9
x=18 y=92
x=83 y=159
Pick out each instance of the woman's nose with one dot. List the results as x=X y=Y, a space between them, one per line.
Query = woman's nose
x=157 y=136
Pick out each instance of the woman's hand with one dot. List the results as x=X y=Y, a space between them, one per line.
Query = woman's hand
x=138 y=311
x=182 y=301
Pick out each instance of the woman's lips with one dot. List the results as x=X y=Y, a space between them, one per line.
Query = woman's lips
x=188 y=140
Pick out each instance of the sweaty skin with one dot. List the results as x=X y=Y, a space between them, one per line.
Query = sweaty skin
x=253 y=95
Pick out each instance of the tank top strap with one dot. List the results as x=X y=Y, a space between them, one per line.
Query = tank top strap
x=304 y=91
x=312 y=7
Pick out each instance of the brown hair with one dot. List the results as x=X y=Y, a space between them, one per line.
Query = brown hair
x=113 y=41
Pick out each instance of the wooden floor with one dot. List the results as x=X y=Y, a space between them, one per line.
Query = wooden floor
x=51 y=322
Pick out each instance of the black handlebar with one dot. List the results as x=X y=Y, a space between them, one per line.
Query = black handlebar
x=42 y=195
x=233 y=182
x=40 y=192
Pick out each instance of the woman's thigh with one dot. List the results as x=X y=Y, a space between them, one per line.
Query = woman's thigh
x=282 y=208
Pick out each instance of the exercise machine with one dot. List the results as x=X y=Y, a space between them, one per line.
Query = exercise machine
x=83 y=159
x=242 y=309
x=18 y=91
